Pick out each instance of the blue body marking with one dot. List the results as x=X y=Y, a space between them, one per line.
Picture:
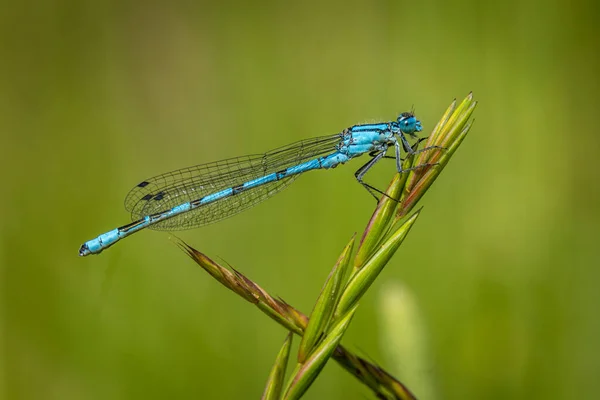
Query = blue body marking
x=207 y=193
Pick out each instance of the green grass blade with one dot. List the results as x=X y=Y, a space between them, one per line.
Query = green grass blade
x=325 y=305
x=434 y=135
x=309 y=370
x=275 y=380
x=362 y=280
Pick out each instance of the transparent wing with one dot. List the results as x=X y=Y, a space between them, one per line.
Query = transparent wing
x=168 y=190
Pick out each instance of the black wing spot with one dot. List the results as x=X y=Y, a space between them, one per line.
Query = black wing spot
x=159 y=196
x=147 y=197
x=143 y=184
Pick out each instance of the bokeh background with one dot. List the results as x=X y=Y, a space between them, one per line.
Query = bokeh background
x=502 y=265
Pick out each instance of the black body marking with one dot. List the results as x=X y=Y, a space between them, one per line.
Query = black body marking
x=281 y=174
x=237 y=189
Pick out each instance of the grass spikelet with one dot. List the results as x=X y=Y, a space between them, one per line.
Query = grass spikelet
x=339 y=296
x=381 y=382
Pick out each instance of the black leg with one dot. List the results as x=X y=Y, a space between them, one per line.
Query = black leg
x=360 y=173
x=412 y=149
x=407 y=147
x=378 y=155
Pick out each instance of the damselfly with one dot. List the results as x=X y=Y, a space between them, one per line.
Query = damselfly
x=196 y=196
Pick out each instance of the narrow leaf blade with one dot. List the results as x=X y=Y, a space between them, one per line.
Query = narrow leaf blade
x=275 y=379
x=362 y=280
x=325 y=305
x=309 y=370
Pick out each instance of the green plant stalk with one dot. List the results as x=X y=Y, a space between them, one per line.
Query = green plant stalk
x=382 y=383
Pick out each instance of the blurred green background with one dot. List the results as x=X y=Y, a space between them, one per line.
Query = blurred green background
x=503 y=265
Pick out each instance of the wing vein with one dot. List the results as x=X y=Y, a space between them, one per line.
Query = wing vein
x=170 y=189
